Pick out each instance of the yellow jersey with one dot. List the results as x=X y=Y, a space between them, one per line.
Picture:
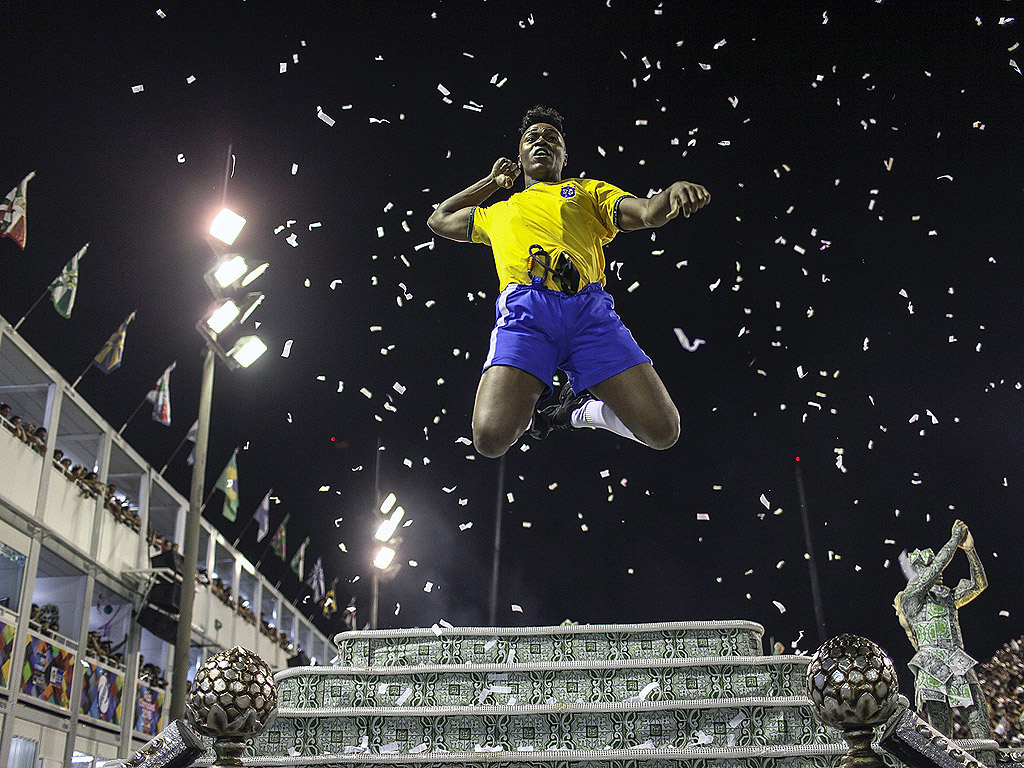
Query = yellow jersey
x=575 y=216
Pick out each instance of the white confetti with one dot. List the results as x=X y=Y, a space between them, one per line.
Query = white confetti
x=780 y=606
x=137 y=89
x=516 y=608
x=685 y=342
x=324 y=116
x=287 y=348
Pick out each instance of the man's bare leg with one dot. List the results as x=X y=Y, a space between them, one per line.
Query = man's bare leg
x=634 y=404
x=505 y=400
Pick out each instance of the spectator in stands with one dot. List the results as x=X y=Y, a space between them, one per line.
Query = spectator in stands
x=31 y=436
x=17 y=428
x=5 y=411
x=92 y=482
x=65 y=464
x=58 y=454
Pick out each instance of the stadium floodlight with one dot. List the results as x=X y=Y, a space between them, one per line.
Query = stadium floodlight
x=388 y=503
x=384 y=558
x=223 y=316
x=247 y=350
x=388 y=527
x=230 y=270
x=226 y=226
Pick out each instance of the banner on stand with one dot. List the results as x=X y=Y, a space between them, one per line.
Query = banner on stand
x=101 y=693
x=149 y=709
x=7 y=630
x=47 y=672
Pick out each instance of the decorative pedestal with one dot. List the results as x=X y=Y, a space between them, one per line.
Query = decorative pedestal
x=233 y=700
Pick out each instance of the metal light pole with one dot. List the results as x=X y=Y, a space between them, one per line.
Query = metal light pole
x=498 y=503
x=819 y=611
x=179 y=679
x=375 y=581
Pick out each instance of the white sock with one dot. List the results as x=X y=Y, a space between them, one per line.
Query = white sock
x=595 y=414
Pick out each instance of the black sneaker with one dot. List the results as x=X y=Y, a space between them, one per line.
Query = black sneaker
x=557 y=416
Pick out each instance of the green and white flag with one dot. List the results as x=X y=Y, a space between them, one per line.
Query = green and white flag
x=298 y=563
x=63 y=289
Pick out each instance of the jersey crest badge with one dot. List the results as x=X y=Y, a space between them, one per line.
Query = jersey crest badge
x=569 y=191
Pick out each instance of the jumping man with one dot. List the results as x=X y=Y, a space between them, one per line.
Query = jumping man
x=553 y=312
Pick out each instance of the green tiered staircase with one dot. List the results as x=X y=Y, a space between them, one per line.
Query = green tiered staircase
x=693 y=694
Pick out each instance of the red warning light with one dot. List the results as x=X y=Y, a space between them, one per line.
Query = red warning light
x=798 y=458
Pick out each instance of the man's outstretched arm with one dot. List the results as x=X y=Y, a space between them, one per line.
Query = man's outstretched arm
x=451 y=218
x=682 y=197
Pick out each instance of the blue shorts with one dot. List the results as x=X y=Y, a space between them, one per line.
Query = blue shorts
x=539 y=330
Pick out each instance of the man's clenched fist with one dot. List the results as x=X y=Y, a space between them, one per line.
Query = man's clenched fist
x=504 y=172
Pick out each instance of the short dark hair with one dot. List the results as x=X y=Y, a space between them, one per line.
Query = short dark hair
x=541 y=114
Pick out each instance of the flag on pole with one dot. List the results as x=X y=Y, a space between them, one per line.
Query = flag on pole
x=262 y=517
x=64 y=288
x=278 y=542
x=191 y=435
x=330 y=604
x=350 y=614
x=160 y=397
x=316 y=580
x=12 y=212
x=109 y=358
x=298 y=563
x=228 y=484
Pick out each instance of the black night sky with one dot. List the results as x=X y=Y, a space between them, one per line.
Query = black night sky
x=856 y=280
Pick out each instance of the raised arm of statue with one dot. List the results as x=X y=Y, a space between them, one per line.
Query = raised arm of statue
x=928 y=574
x=968 y=589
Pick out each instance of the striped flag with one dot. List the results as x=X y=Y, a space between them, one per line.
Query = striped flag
x=279 y=542
x=298 y=563
x=262 y=517
x=228 y=484
x=160 y=397
x=63 y=289
x=316 y=580
x=12 y=212
x=109 y=358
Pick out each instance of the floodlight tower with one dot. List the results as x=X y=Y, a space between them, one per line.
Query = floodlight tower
x=226 y=280
x=393 y=516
